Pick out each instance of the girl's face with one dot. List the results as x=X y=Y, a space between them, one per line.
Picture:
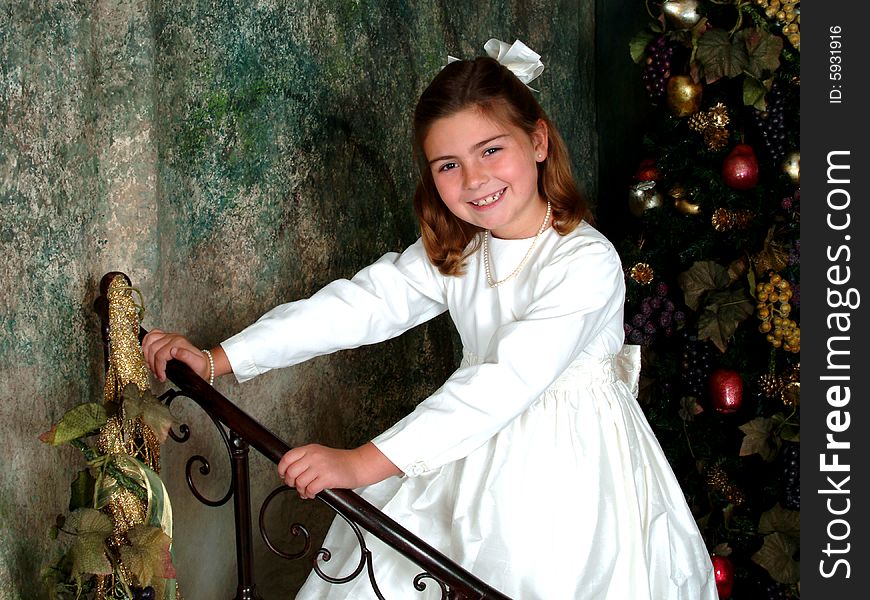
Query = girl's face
x=487 y=172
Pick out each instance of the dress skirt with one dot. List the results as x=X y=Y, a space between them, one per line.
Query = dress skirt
x=573 y=500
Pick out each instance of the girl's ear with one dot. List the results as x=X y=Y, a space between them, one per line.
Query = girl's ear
x=540 y=140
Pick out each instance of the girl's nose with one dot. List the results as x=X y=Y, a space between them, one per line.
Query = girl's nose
x=473 y=177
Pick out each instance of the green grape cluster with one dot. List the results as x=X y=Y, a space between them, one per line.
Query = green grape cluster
x=773 y=309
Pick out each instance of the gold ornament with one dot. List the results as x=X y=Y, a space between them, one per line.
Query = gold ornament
x=724 y=219
x=683 y=95
x=791 y=389
x=770 y=384
x=786 y=13
x=642 y=273
x=772 y=257
x=791 y=394
x=719 y=481
x=642 y=197
x=682 y=14
x=712 y=125
x=773 y=310
x=792 y=373
x=682 y=201
x=791 y=166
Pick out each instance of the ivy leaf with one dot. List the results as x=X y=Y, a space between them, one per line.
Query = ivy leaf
x=637 y=45
x=722 y=549
x=762 y=48
x=689 y=408
x=89 y=520
x=154 y=413
x=720 y=57
x=148 y=557
x=777 y=556
x=722 y=315
x=781 y=520
x=758 y=439
x=89 y=550
x=702 y=276
x=81 y=491
x=76 y=423
x=788 y=431
x=754 y=92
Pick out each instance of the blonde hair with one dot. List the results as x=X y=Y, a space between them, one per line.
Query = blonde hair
x=486 y=85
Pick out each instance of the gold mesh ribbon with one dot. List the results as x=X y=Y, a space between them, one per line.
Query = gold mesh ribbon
x=126 y=361
x=134 y=445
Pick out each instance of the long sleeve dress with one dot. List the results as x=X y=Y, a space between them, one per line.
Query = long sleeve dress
x=533 y=466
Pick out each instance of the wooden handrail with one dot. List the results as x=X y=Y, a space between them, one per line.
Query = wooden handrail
x=462 y=584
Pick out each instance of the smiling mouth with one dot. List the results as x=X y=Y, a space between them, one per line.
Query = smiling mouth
x=489 y=199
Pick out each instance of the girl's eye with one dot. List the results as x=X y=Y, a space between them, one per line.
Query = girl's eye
x=490 y=151
x=447 y=167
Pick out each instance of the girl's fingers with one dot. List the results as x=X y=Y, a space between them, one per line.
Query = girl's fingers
x=194 y=359
x=160 y=347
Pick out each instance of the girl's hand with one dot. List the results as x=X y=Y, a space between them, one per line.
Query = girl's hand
x=313 y=468
x=159 y=347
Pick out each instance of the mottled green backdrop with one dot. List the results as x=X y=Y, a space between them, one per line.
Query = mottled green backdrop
x=228 y=156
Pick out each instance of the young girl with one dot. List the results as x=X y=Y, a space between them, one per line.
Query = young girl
x=532 y=466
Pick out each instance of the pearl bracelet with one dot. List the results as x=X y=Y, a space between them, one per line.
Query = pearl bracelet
x=210 y=367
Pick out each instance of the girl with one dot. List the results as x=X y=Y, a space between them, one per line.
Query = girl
x=532 y=466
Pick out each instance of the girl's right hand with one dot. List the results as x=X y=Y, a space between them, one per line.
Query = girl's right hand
x=159 y=347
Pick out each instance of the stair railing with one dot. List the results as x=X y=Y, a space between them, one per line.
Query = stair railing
x=239 y=432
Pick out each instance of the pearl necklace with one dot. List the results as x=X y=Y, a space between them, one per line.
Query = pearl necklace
x=489 y=279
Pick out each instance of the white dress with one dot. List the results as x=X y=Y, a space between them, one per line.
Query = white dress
x=533 y=466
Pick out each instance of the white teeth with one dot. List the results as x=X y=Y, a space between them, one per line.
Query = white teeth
x=488 y=199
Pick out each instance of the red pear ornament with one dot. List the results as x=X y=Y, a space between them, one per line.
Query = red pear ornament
x=740 y=168
x=726 y=390
x=723 y=571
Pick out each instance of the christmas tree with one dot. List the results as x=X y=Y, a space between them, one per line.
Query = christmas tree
x=712 y=258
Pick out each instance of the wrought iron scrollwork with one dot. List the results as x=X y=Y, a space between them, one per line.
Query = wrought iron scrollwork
x=166 y=398
x=365 y=560
x=420 y=585
x=205 y=467
x=296 y=529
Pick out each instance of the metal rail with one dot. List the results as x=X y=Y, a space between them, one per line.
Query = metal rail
x=455 y=582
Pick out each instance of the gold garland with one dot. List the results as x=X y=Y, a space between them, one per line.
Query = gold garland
x=122 y=435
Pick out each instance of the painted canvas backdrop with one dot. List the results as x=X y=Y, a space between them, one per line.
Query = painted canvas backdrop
x=228 y=156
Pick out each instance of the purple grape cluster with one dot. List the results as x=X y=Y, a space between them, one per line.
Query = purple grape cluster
x=794 y=254
x=697 y=362
x=775 y=591
x=795 y=293
x=791 y=476
x=144 y=593
x=658 y=53
x=657 y=315
x=771 y=123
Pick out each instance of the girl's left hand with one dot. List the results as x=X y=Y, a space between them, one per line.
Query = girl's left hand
x=314 y=468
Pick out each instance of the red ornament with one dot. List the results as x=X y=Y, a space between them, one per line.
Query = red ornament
x=726 y=390
x=740 y=168
x=647 y=171
x=723 y=570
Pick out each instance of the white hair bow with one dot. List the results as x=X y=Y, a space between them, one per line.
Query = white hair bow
x=518 y=58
